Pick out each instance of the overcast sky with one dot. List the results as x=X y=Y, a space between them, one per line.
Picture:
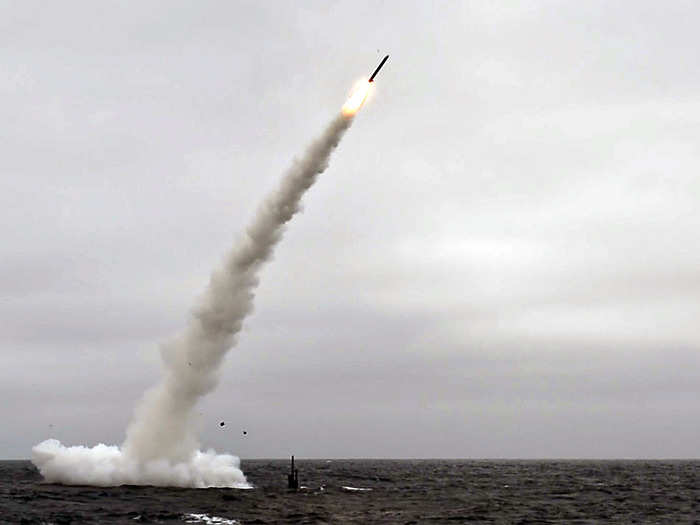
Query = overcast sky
x=501 y=261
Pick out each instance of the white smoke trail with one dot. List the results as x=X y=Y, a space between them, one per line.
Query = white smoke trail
x=161 y=446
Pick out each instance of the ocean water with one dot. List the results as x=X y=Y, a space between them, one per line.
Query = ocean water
x=394 y=491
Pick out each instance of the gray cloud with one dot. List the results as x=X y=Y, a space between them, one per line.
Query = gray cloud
x=502 y=260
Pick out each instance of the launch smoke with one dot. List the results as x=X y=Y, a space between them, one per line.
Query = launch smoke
x=161 y=446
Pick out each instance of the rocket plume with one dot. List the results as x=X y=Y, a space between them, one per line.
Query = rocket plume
x=161 y=446
x=162 y=425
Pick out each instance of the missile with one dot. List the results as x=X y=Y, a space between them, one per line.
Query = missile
x=371 y=79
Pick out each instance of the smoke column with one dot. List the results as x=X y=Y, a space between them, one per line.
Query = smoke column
x=161 y=446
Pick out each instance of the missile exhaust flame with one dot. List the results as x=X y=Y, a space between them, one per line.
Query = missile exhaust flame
x=357 y=98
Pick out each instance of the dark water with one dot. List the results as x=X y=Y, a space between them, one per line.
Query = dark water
x=426 y=491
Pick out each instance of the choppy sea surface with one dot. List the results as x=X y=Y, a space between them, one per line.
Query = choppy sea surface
x=394 y=491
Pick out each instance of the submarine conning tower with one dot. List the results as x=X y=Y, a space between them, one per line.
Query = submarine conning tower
x=293 y=477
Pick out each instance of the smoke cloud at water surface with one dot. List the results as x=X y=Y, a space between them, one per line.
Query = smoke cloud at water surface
x=161 y=446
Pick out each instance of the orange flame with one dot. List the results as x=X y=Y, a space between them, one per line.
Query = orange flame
x=357 y=98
